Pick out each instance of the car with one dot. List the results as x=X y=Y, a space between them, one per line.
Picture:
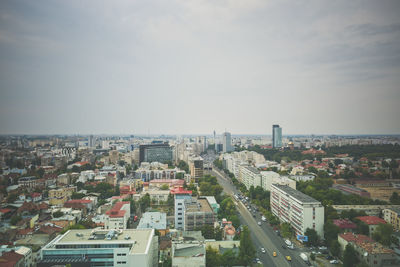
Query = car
x=274 y=253
x=334 y=262
x=329 y=257
x=254 y=215
x=283 y=246
x=259 y=262
x=289 y=258
x=263 y=250
x=259 y=223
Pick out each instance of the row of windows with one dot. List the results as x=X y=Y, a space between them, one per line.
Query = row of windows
x=121 y=254
x=121 y=262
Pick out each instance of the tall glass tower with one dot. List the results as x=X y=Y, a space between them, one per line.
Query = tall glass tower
x=276 y=136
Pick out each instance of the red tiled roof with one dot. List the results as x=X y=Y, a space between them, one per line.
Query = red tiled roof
x=351 y=237
x=36 y=194
x=116 y=211
x=371 y=220
x=82 y=201
x=10 y=258
x=180 y=191
x=24 y=231
x=5 y=210
x=344 y=224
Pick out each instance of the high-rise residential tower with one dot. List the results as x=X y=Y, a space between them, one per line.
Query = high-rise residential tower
x=276 y=136
x=226 y=142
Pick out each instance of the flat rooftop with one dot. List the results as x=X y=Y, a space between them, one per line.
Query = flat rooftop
x=154 y=220
x=139 y=238
x=296 y=194
x=201 y=205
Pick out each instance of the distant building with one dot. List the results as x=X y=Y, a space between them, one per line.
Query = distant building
x=180 y=196
x=196 y=166
x=296 y=208
x=226 y=142
x=185 y=254
x=155 y=152
x=373 y=210
x=349 y=189
x=276 y=136
x=93 y=247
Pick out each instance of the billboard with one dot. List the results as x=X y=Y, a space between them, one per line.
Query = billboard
x=302 y=238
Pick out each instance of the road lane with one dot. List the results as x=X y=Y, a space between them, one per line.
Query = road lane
x=263 y=236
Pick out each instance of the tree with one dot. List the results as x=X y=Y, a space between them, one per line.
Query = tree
x=331 y=231
x=383 y=234
x=164 y=187
x=228 y=258
x=286 y=230
x=334 y=248
x=15 y=219
x=212 y=257
x=40 y=172
x=76 y=195
x=362 y=227
x=349 y=256
x=246 y=250
x=144 y=202
x=312 y=237
x=395 y=199
x=207 y=231
x=58 y=214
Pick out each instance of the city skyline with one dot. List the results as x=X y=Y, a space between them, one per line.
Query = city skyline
x=186 y=67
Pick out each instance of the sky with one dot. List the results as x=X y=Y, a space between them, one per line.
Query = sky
x=194 y=66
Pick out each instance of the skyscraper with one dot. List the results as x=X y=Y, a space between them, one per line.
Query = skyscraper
x=226 y=142
x=276 y=136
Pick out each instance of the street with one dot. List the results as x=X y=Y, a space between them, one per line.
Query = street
x=262 y=236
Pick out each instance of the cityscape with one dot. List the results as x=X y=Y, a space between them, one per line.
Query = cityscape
x=199 y=133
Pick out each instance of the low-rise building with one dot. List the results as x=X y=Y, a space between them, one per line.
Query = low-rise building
x=130 y=247
x=372 y=222
x=188 y=254
x=154 y=220
x=392 y=216
x=118 y=216
x=345 y=225
x=349 y=189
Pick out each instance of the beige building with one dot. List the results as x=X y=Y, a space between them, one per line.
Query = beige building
x=392 y=216
x=196 y=168
x=57 y=197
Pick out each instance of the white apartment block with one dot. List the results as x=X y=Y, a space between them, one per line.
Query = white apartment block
x=117 y=217
x=296 y=208
x=250 y=176
x=267 y=178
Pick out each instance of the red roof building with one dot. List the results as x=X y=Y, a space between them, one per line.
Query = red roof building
x=371 y=220
x=180 y=191
x=118 y=216
x=345 y=224
x=11 y=259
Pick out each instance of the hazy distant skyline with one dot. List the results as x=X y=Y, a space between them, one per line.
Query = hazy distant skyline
x=187 y=66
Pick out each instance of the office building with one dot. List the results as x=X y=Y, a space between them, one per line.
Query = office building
x=226 y=142
x=94 y=247
x=276 y=136
x=296 y=208
x=180 y=195
x=196 y=166
x=155 y=152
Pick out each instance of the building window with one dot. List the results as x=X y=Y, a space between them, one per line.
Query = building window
x=180 y=213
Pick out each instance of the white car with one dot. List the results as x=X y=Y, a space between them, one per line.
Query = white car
x=259 y=223
x=263 y=250
x=334 y=262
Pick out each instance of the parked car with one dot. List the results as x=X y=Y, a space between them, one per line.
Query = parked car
x=263 y=250
x=334 y=262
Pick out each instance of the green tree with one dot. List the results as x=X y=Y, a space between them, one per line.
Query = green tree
x=312 y=237
x=15 y=219
x=144 y=202
x=207 y=231
x=349 y=256
x=228 y=258
x=76 y=195
x=286 y=230
x=213 y=258
x=335 y=248
x=40 y=172
x=383 y=234
x=246 y=250
x=331 y=231
x=164 y=187
x=395 y=199
x=58 y=214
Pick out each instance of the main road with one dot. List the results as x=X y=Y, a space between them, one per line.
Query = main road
x=262 y=236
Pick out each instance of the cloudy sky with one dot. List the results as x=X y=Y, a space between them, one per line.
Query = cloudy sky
x=192 y=66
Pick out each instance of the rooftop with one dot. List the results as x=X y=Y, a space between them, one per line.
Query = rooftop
x=345 y=224
x=139 y=238
x=154 y=220
x=252 y=169
x=351 y=237
x=371 y=220
x=296 y=194
x=198 y=205
x=375 y=248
